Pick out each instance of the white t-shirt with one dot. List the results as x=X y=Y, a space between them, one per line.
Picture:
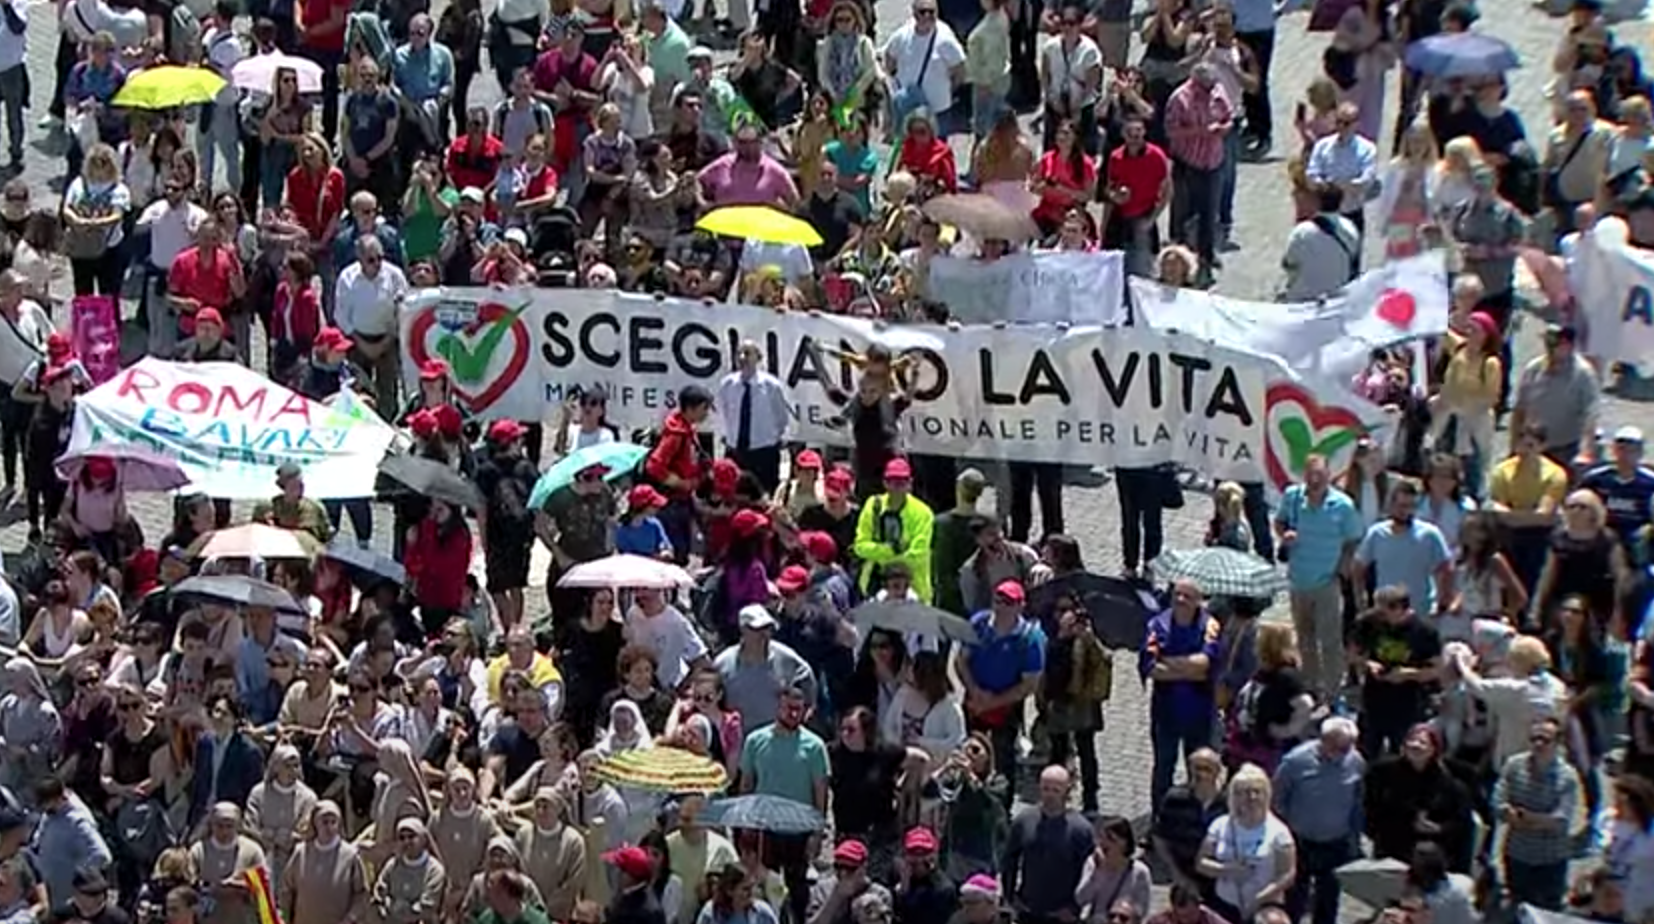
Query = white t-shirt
x=619 y=88
x=673 y=639
x=908 y=50
x=1318 y=264
x=1065 y=70
x=1257 y=847
x=171 y=229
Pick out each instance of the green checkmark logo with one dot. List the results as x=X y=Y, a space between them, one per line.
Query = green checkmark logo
x=470 y=363
x=1301 y=442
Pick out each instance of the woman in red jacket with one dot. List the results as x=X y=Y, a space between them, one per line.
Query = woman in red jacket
x=438 y=558
x=928 y=158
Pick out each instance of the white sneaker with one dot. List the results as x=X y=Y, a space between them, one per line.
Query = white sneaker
x=50 y=123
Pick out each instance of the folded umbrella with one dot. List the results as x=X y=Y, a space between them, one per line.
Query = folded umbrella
x=256 y=540
x=367 y=562
x=910 y=617
x=1461 y=54
x=760 y=223
x=770 y=814
x=664 y=770
x=240 y=590
x=983 y=216
x=1119 y=610
x=138 y=469
x=619 y=458
x=627 y=571
x=432 y=479
x=1220 y=572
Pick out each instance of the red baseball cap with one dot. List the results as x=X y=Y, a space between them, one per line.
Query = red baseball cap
x=332 y=338
x=920 y=840
x=59 y=345
x=850 y=853
x=100 y=468
x=839 y=481
x=748 y=522
x=504 y=431
x=820 y=546
x=433 y=369
x=448 y=421
x=898 y=470
x=423 y=423
x=793 y=579
x=209 y=316
x=644 y=496
x=725 y=472
x=809 y=458
x=1011 y=589
x=633 y=861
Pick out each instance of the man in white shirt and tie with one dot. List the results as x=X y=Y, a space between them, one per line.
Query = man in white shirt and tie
x=753 y=406
x=365 y=305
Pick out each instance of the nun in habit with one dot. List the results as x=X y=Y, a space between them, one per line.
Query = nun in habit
x=325 y=881
x=400 y=794
x=460 y=833
x=554 y=854
x=278 y=805
x=502 y=854
x=412 y=883
x=220 y=858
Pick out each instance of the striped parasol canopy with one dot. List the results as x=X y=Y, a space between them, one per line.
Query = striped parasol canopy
x=663 y=769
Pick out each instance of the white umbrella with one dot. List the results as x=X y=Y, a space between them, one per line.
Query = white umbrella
x=627 y=571
x=258 y=73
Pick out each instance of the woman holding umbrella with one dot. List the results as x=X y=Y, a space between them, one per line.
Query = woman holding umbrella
x=438 y=560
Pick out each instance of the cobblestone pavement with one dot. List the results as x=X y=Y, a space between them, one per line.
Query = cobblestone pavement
x=1263 y=220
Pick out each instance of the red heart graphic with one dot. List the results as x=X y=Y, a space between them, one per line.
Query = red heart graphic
x=1398 y=307
x=487 y=313
x=1320 y=418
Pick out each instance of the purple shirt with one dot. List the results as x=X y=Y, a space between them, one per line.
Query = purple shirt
x=729 y=181
x=1188 y=700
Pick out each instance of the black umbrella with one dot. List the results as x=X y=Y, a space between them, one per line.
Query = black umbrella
x=432 y=479
x=240 y=590
x=367 y=563
x=1119 y=610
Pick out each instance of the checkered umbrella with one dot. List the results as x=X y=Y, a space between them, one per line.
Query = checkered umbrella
x=773 y=814
x=1220 y=572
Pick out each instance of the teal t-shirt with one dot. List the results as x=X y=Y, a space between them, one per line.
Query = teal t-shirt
x=785 y=764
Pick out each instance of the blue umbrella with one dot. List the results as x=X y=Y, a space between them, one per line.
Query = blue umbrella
x=619 y=458
x=1461 y=54
x=770 y=814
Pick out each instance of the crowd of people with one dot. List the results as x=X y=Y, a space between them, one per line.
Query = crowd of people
x=1464 y=651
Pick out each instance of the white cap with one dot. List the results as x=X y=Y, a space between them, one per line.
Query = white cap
x=517 y=236
x=699 y=51
x=471 y=194
x=1628 y=434
x=755 y=616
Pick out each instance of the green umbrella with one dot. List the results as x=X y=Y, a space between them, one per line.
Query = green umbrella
x=619 y=458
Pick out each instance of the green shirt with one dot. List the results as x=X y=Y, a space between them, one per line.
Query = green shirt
x=669 y=54
x=529 y=915
x=422 y=228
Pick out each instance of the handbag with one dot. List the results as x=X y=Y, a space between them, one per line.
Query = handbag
x=87 y=242
x=910 y=99
x=1551 y=192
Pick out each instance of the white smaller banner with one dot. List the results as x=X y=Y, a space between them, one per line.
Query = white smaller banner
x=1057 y=287
x=1396 y=303
x=230 y=428
x=1613 y=285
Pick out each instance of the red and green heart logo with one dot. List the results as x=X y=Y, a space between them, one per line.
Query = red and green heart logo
x=487 y=355
x=1296 y=426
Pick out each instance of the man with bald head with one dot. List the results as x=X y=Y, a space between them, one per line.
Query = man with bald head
x=1179 y=649
x=1047 y=850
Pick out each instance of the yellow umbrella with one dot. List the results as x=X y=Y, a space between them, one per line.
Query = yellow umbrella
x=663 y=769
x=168 y=87
x=760 y=223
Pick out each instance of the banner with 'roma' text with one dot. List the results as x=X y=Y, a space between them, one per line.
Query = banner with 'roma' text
x=1084 y=396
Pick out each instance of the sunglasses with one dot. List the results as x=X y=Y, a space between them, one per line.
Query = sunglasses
x=360 y=688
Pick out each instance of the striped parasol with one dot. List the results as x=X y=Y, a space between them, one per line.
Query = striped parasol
x=663 y=769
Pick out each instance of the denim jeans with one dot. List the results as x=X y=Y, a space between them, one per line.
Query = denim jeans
x=219 y=133
x=986 y=107
x=1141 y=532
x=1226 y=180
x=1543 y=885
x=1173 y=738
x=361 y=517
x=1318 y=863
x=276 y=159
x=1195 y=203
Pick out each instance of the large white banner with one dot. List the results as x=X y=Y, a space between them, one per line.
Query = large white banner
x=1090 y=396
x=1079 y=289
x=230 y=428
x=1397 y=302
x=1613 y=285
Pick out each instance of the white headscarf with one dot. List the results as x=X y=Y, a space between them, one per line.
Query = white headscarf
x=21 y=674
x=612 y=742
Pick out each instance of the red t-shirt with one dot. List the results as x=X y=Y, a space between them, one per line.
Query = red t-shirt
x=206 y=281
x=1142 y=176
x=312 y=13
x=543 y=183
x=471 y=164
x=315 y=199
x=1057 y=171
